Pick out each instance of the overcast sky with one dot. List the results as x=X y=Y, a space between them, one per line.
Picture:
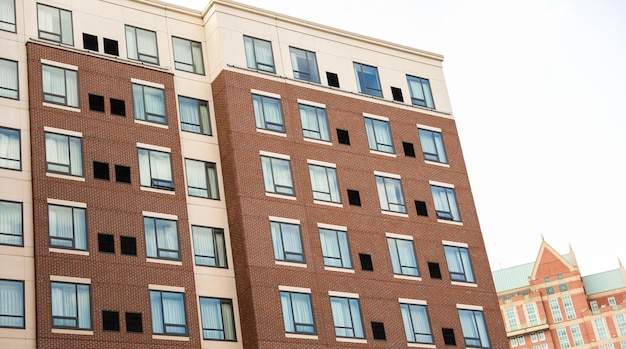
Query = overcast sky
x=537 y=91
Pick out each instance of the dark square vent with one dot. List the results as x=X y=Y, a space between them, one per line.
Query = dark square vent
x=90 y=42
x=101 y=170
x=333 y=79
x=366 y=262
x=111 y=47
x=122 y=174
x=448 y=336
x=96 y=103
x=133 y=322
x=420 y=207
x=343 y=137
x=397 y=94
x=110 y=321
x=409 y=150
x=106 y=243
x=128 y=245
x=378 y=330
x=118 y=107
x=433 y=269
x=354 y=198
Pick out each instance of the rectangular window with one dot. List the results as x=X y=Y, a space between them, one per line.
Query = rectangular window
x=612 y=301
x=403 y=261
x=521 y=340
x=218 y=321
x=420 y=91
x=459 y=264
x=620 y=321
x=71 y=306
x=141 y=45
x=194 y=115
x=335 y=248
x=10 y=154
x=314 y=122
x=474 y=328
x=324 y=183
x=259 y=54
x=7 y=15
x=11 y=303
x=297 y=312
x=67 y=227
x=347 y=317
x=367 y=79
x=531 y=314
x=168 y=313
x=268 y=114
x=594 y=305
x=445 y=203
x=277 y=175
x=533 y=337
x=570 y=312
x=55 y=24
x=432 y=146
x=513 y=341
x=563 y=339
x=541 y=335
x=202 y=179
x=188 y=55
x=304 y=65
x=64 y=154
x=379 y=135
x=8 y=76
x=161 y=238
x=209 y=247
x=577 y=336
x=390 y=194
x=287 y=242
x=60 y=85
x=416 y=323
x=555 y=309
x=155 y=169
x=511 y=318
x=11 y=226
x=601 y=331
x=149 y=104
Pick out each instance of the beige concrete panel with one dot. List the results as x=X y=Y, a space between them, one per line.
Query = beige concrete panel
x=212 y=286
x=11 y=188
x=15 y=343
x=208 y=216
x=13 y=267
x=201 y=150
x=11 y=113
x=193 y=85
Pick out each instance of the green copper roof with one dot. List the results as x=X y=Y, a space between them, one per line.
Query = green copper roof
x=513 y=277
x=600 y=282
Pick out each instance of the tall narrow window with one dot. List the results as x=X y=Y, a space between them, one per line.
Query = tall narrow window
x=287 y=242
x=531 y=314
x=304 y=65
x=12 y=304
x=445 y=203
x=55 y=24
x=555 y=309
x=577 y=336
x=161 y=238
x=141 y=45
x=432 y=146
x=474 y=328
x=268 y=114
x=570 y=312
x=420 y=91
x=459 y=264
x=168 y=313
x=324 y=183
x=209 y=247
x=314 y=122
x=155 y=169
x=416 y=323
x=149 y=104
x=64 y=154
x=71 y=306
x=202 y=179
x=620 y=321
x=335 y=249
x=347 y=317
x=10 y=154
x=8 y=77
x=297 y=312
x=563 y=339
x=60 y=86
x=67 y=227
x=601 y=330
x=511 y=318
x=390 y=194
x=367 y=79
x=7 y=15
x=188 y=55
x=379 y=135
x=259 y=54
x=11 y=224
x=218 y=322
x=277 y=175
x=402 y=252
x=194 y=115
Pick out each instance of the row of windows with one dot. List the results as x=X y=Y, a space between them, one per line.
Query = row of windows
x=534 y=337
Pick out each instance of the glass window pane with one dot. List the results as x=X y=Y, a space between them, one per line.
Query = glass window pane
x=8 y=78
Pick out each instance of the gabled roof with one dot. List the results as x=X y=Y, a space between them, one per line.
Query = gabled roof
x=550 y=262
x=513 y=277
x=605 y=281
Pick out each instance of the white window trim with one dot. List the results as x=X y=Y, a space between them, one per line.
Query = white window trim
x=62 y=131
x=156 y=190
x=284 y=220
x=68 y=331
x=147 y=83
x=67 y=203
x=321 y=163
x=264 y=93
x=343 y=294
x=436 y=163
x=332 y=227
x=469 y=307
x=421 y=345
x=154 y=147
x=429 y=128
x=159 y=215
x=274 y=155
x=291 y=264
x=301 y=336
x=58 y=106
x=148 y=123
x=269 y=132
x=58 y=175
x=412 y=301
x=351 y=340
x=334 y=204
x=449 y=222
x=68 y=251
x=166 y=288
x=70 y=279
x=59 y=64
x=376 y=117
x=311 y=104
x=343 y=270
x=407 y=277
x=282 y=196
x=466 y=284
x=399 y=236
x=318 y=141
x=163 y=261
x=441 y=184
x=170 y=338
x=294 y=289
x=383 y=153
x=397 y=214
x=454 y=243
x=387 y=174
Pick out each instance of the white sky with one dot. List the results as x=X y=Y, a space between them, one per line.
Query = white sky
x=538 y=97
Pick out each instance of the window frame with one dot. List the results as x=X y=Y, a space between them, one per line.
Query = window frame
x=270 y=184
x=5 y=285
x=362 y=80
x=311 y=65
x=409 y=324
x=210 y=180
x=278 y=242
x=218 y=245
x=78 y=236
x=143 y=177
x=555 y=309
x=432 y=140
x=223 y=302
x=373 y=129
x=7 y=139
x=76 y=286
x=13 y=90
x=9 y=234
x=561 y=334
x=140 y=111
x=160 y=252
x=476 y=315
x=467 y=272
x=328 y=190
x=568 y=306
x=203 y=120
x=426 y=92
x=381 y=183
x=451 y=212
x=163 y=324
x=351 y=302
x=577 y=335
x=73 y=169
x=260 y=119
x=5 y=25
x=140 y=56
x=252 y=59
x=196 y=67
x=60 y=99
x=290 y=316
x=531 y=316
x=317 y=127
x=345 y=257
x=399 y=265
x=65 y=34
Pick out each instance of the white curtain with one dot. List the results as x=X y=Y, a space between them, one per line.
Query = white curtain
x=335 y=248
x=277 y=175
x=203 y=246
x=131 y=43
x=263 y=55
x=474 y=328
x=417 y=91
x=406 y=254
x=196 y=178
x=10 y=224
x=182 y=54
x=7 y=15
x=71 y=80
x=211 y=315
x=71 y=305
x=49 y=22
x=167 y=238
x=53 y=80
x=67 y=35
x=416 y=324
x=297 y=312
x=346 y=317
x=196 y=52
x=168 y=313
x=445 y=202
x=8 y=78
x=286 y=241
x=267 y=113
x=390 y=194
x=64 y=154
x=11 y=303
x=149 y=103
x=154 y=165
x=378 y=135
x=144 y=168
x=324 y=183
x=61 y=225
x=189 y=115
x=146 y=45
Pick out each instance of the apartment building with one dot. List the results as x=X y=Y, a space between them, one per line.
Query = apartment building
x=548 y=304
x=229 y=178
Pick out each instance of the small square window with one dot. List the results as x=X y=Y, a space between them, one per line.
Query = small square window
x=333 y=79
x=122 y=174
x=141 y=45
x=10 y=152
x=149 y=104
x=188 y=55
x=287 y=242
x=10 y=81
x=7 y=15
x=101 y=170
x=90 y=42
x=106 y=243
x=434 y=270
x=111 y=47
x=420 y=208
x=354 y=198
x=259 y=54
x=134 y=323
x=96 y=103
x=390 y=194
x=367 y=79
x=128 y=245
x=110 y=321
x=366 y=262
x=448 y=336
x=378 y=330
x=304 y=65
x=397 y=94
x=343 y=137
x=118 y=107
x=194 y=115
x=268 y=114
x=277 y=176
x=155 y=169
x=409 y=150
x=60 y=86
x=55 y=24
